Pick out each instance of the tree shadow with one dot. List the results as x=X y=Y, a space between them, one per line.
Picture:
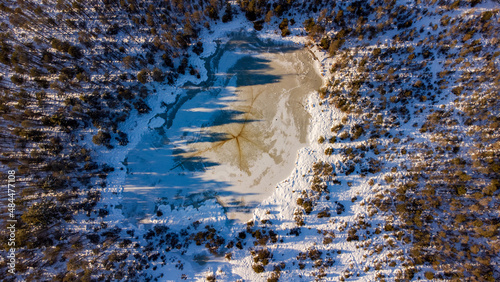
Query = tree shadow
x=169 y=162
x=250 y=71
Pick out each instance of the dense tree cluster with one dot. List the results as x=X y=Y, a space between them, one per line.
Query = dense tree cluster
x=440 y=197
x=70 y=67
x=419 y=131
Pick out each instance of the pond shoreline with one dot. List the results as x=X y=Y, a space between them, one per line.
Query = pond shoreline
x=230 y=130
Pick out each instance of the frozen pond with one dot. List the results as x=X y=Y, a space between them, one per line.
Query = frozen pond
x=232 y=138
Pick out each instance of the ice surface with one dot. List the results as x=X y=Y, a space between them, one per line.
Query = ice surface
x=232 y=138
x=156 y=122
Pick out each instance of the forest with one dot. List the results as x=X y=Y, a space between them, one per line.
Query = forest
x=416 y=85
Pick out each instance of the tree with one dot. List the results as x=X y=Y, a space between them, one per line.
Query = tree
x=158 y=75
x=284 y=27
x=16 y=79
x=75 y=52
x=269 y=16
x=142 y=107
x=41 y=214
x=143 y=75
x=101 y=138
x=212 y=12
x=198 y=48
x=182 y=67
x=228 y=14
x=128 y=62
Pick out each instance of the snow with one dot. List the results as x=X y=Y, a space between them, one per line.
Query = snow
x=280 y=204
x=156 y=122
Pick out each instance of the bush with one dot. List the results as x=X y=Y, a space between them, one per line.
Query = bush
x=309 y=24
x=306 y=204
x=101 y=138
x=457 y=90
x=429 y=275
x=142 y=107
x=16 y=79
x=337 y=128
x=212 y=12
x=344 y=135
x=158 y=75
x=228 y=14
x=41 y=214
x=324 y=213
x=285 y=32
x=198 y=48
x=258 y=25
x=325 y=43
x=142 y=76
x=75 y=52
x=388 y=179
x=182 y=67
x=258 y=268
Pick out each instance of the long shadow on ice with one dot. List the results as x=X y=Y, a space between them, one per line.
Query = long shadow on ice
x=248 y=71
x=169 y=163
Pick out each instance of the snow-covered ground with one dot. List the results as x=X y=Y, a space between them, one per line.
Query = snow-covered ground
x=278 y=207
x=149 y=167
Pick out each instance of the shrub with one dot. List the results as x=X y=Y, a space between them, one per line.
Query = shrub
x=41 y=214
x=158 y=75
x=283 y=24
x=429 y=275
x=306 y=204
x=101 y=138
x=228 y=14
x=344 y=135
x=274 y=277
x=285 y=32
x=183 y=65
x=314 y=254
x=337 y=128
x=239 y=245
x=242 y=235
x=486 y=16
x=142 y=107
x=75 y=52
x=325 y=43
x=142 y=76
x=258 y=268
x=16 y=79
x=388 y=179
x=258 y=25
x=324 y=213
x=457 y=90
x=309 y=24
